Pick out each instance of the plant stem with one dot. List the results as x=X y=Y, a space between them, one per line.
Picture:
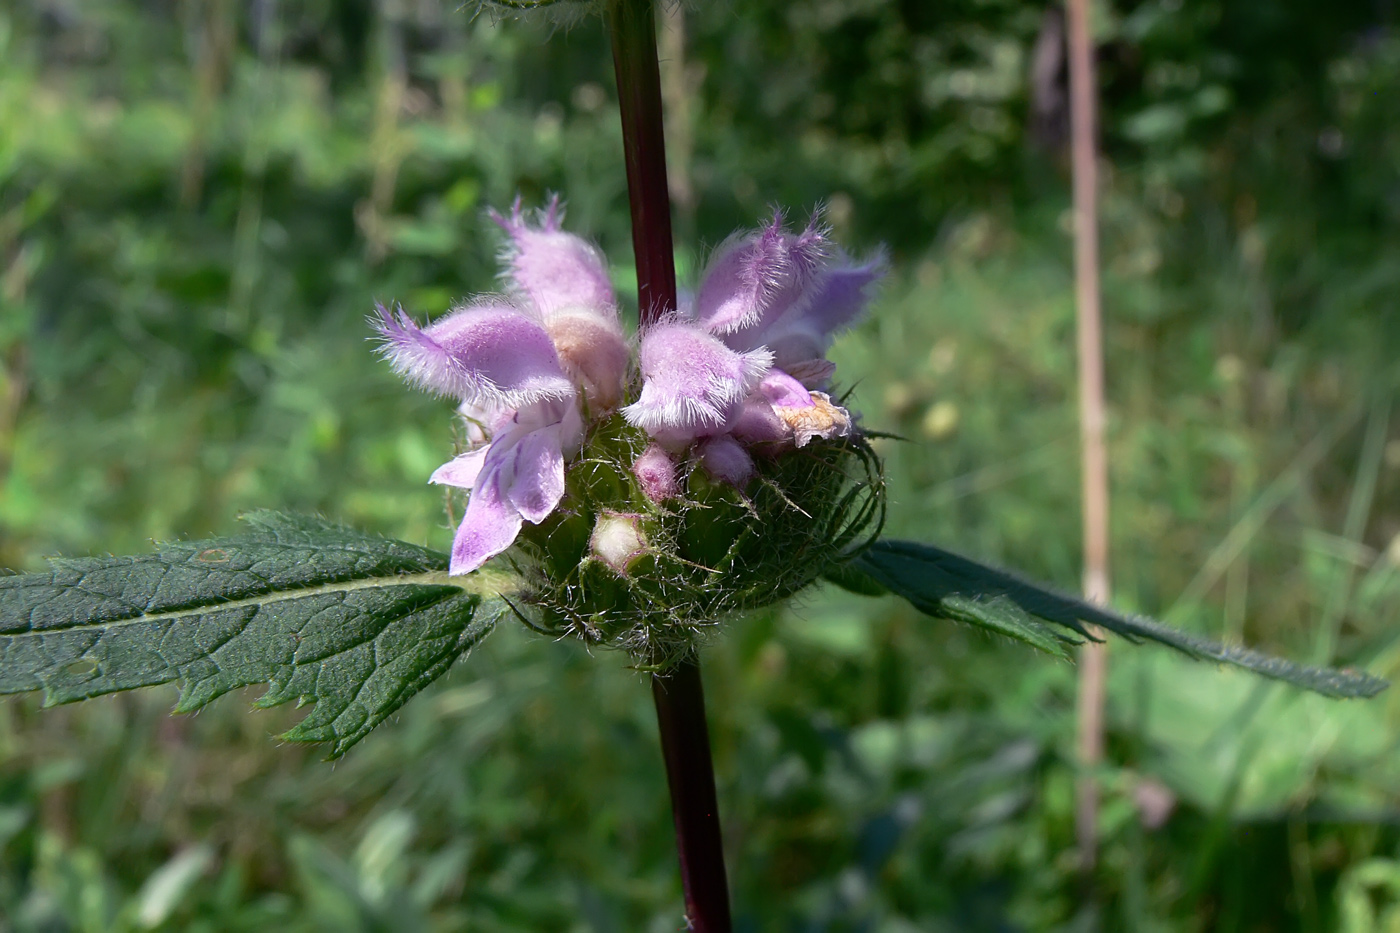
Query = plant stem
x=679 y=695
x=1093 y=665
x=685 y=744
x=644 y=146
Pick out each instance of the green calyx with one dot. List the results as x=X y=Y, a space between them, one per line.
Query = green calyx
x=614 y=568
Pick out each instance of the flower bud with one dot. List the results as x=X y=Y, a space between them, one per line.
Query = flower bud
x=656 y=473
x=618 y=540
x=726 y=460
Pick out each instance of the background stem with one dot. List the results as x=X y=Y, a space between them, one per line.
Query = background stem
x=644 y=146
x=1093 y=661
x=685 y=744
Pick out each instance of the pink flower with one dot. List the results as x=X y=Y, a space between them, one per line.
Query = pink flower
x=736 y=371
x=503 y=367
x=520 y=370
x=744 y=358
x=517 y=477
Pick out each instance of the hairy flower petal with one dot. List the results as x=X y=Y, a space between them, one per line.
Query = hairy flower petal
x=757 y=276
x=554 y=270
x=692 y=384
x=489 y=354
x=843 y=294
x=803 y=333
x=461 y=471
x=489 y=526
x=517 y=477
x=534 y=477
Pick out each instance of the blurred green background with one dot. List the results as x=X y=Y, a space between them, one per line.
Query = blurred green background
x=201 y=200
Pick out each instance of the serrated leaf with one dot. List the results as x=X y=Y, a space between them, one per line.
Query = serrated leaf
x=943 y=584
x=1003 y=616
x=351 y=622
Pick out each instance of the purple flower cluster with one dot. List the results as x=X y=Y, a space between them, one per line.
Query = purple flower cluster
x=738 y=371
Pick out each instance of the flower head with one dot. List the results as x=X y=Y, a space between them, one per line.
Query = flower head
x=629 y=491
x=734 y=374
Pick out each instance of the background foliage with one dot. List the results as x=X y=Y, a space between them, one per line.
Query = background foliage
x=199 y=202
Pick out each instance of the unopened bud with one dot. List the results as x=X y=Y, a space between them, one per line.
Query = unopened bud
x=618 y=540
x=726 y=460
x=656 y=473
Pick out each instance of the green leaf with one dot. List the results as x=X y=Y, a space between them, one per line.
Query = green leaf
x=854 y=580
x=322 y=614
x=1005 y=617
x=945 y=585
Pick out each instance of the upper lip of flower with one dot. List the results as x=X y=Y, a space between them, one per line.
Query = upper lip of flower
x=691 y=382
x=768 y=287
x=488 y=353
x=552 y=270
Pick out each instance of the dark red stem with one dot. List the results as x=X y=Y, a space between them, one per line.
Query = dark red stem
x=685 y=744
x=680 y=698
x=644 y=146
